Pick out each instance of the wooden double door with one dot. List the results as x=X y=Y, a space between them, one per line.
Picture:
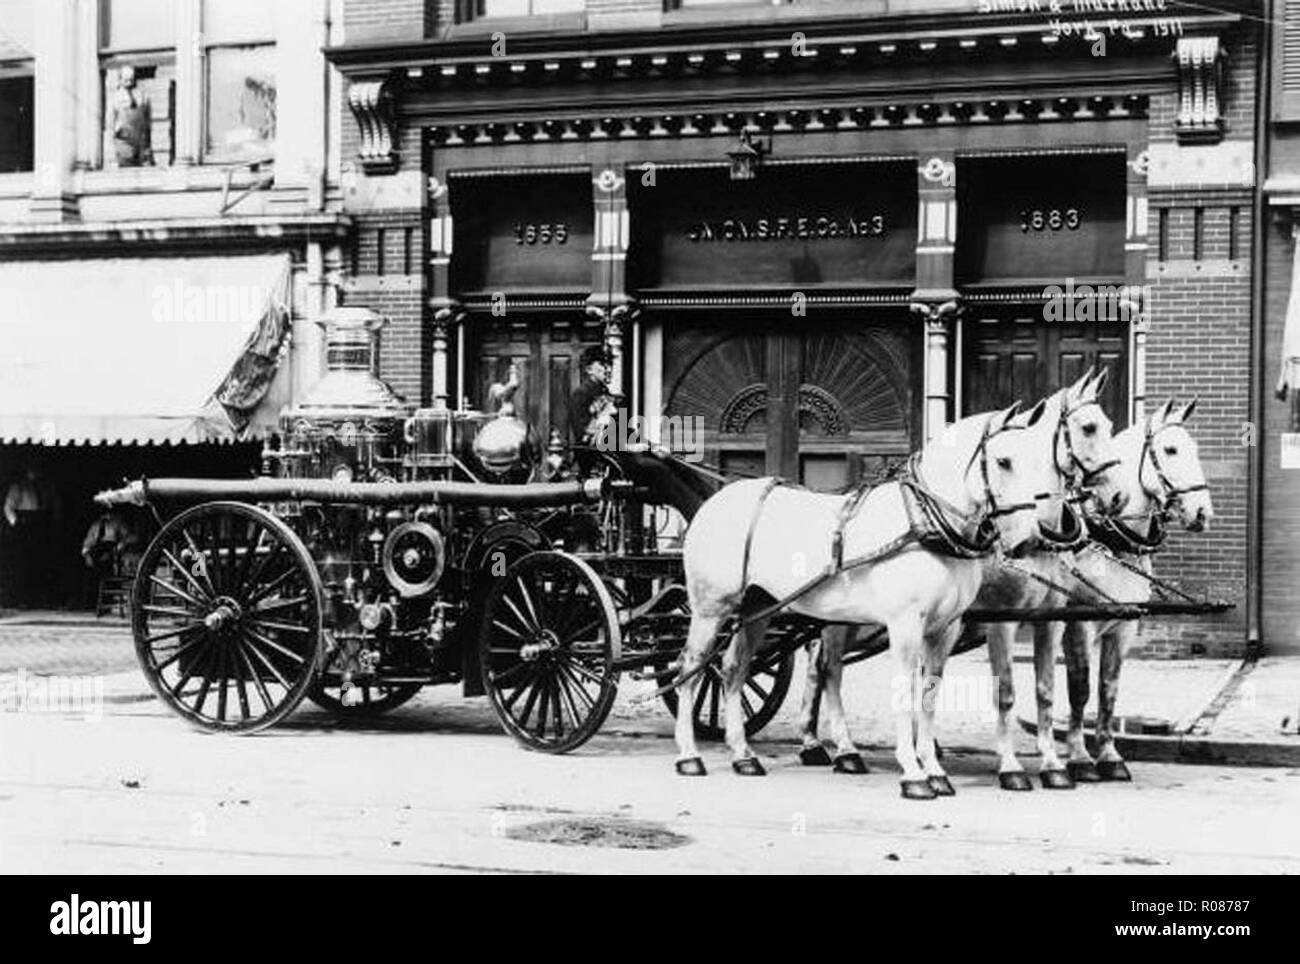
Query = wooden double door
x=828 y=404
x=1013 y=354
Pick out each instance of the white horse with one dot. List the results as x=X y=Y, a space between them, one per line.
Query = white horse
x=1160 y=470
x=980 y=478
x=1083 y=457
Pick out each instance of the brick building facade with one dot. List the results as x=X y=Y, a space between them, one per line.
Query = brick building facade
x=463 y=93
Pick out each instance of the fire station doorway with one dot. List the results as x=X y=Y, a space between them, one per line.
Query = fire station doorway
x=827 y=404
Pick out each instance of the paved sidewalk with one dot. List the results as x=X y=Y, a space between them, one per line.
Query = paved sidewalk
x=1199 y=710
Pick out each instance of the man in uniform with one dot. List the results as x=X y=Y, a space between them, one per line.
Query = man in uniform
x=591 y=405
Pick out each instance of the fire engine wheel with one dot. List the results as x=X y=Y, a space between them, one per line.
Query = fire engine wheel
x=226 y=613
x=761 y=697
x=372 y=699
x=548 y=650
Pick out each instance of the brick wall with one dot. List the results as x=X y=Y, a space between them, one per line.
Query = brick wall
x=384 y=271
x=365 y=20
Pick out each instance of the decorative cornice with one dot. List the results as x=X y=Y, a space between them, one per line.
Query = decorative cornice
x=1200 y=90
x=686 y=123
x=371 y=102
x=826 y=42
x=856 y=299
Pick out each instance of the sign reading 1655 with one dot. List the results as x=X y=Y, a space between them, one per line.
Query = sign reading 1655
x=556 y=233
x=1053 y=219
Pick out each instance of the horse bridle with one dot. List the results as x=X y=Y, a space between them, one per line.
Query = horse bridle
x=1171 y=493
x=1078 y=468
x=982 y=453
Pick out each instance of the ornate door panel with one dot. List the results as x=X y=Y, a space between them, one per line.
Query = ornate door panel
x=827 y=406
x=547 y=358
x=1012 y=355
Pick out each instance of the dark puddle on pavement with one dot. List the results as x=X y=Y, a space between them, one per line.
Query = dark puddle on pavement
x=600 y=832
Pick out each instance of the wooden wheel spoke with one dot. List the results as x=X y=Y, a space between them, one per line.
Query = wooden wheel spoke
x=557 y=711
x=583 y=671
x=222 y=659
x=178 y=653
x=528 y=703
x=203 y=690
x=744 y=702
x=280 y=604
x=278 y=626
x=267 y=589
x=187 y=675
x=255 y=677
x=250 y=554
x=202 y=563
x=502 y=678
x=580 y=634
x=173 y=632
x=267 y=641
x=177 y=590
x=513 y=632
x=545 y=686
x=528 y=602
x=266 y=662
x=251 y=579
x=524 y=684
x=531 y=627
x=752 y=683
x=167 y=611
x=567 y=670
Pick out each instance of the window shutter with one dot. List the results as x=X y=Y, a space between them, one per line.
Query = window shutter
x=1286 y=99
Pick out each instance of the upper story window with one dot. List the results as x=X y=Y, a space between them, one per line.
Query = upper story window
x=17 y=89
x=483 y=9
x=137 y=59
x=239 y=58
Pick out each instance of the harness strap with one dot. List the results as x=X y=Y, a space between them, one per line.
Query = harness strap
x=847 y=509
x=753 y=524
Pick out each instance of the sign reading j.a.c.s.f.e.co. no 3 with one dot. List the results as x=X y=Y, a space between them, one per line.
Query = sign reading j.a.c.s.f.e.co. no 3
x=843 y=225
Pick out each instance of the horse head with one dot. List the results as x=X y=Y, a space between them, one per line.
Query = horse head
x=1083 y=452
x=988 y=467
x=1168 y=468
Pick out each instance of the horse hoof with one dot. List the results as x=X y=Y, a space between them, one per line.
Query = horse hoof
x=1113 y=770
x=1083 y=771
x=941 y=786
x=1014 y=780
x=748 y=767
x=691 y=767
x=1056 y=780
x=917 y=790
x=850 y=763
x=814 y=756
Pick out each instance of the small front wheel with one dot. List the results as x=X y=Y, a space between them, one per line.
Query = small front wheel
x=548 y=650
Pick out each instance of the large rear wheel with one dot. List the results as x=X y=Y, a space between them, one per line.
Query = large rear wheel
x=549 y=643
x=226 y=613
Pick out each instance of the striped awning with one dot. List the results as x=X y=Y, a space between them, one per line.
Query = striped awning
x=148 y=350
